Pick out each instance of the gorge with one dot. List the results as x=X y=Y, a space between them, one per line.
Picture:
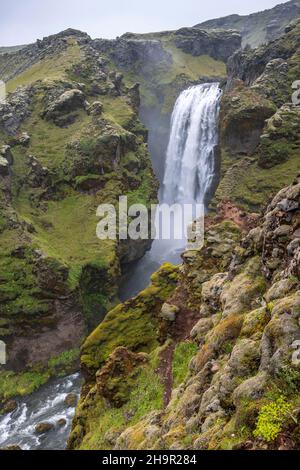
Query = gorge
x=178 y=348
x=192 y=143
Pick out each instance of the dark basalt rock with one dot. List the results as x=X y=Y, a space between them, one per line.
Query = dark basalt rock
x=128 y=52
x=61 y=110
x=218 y=44
x=43 y=428
x=15 y=110
x=71 y=400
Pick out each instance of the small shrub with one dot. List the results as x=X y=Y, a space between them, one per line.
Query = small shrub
x=271 y=419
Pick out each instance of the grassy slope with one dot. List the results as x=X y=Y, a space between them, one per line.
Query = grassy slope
x=63 y=228
x=167 y=80
x=245 y=182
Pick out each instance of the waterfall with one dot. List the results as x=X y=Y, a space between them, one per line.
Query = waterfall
x=191 y=161
x=189 y=175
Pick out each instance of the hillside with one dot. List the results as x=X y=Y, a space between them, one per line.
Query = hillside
x=71 y=139
x=203 y=357
x=213 y=368
x=258 y=28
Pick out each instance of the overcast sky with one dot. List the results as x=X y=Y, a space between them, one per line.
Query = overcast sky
x=24 y=21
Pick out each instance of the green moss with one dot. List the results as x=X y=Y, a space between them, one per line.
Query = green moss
x=272 y=418
x=64 y=359
x=145 y=396
x=133 y=324
x=255 y=322
x=251 y=187
x=118 y=110
x=20 y=294
x=51 y=68
x=12 y=385
x=183 y=354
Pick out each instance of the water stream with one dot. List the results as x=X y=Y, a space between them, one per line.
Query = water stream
x=189 y=178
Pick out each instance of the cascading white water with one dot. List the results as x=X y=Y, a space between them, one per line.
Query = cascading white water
x=189 y=175
x=191 y=161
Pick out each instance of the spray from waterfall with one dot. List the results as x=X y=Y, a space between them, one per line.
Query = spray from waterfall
x=189 y=175
x=191 y=156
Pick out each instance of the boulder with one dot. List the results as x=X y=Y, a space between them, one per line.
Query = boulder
x=24 y=139
x=61 y=423
x=245 y=357
x=43 y=428
x=71 y=400
x=5 y=152
x=59 y=110
x=169 y=312
x=4 y=167
x=10 y=406
x=95 y=109
x=280 y=289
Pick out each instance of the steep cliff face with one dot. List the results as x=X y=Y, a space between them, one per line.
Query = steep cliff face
x=259 y=123
x=258 y=28
x=70 y=140
x=218 y=373
x=165 y=64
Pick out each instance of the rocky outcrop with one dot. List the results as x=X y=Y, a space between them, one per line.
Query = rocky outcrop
x=280 y=137
x=217 y=43
x=66 y=103
x=243 y=117
x=239 y=389
x=259 y=123
x=268 y=60
x=6 y=160
x=15 y=110
x=13 y=63
x=129 y=50
x=68 y=142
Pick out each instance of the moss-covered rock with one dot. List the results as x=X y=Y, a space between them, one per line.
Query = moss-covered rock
x=136 y=321
x=57 y=279
x=243 y=115
x=234 y=387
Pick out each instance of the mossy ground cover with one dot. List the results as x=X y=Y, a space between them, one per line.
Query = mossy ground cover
x=52 y=68
x=146 y=396
x=182 y=356
x=14 y=384
x=251 y=186
x=117 y=110
x=133 y=325
x=19 y=290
